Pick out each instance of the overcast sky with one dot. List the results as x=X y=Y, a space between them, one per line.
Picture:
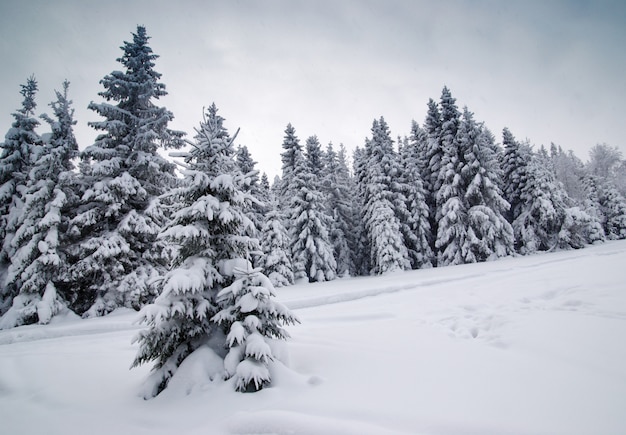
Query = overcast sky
x=552 y=71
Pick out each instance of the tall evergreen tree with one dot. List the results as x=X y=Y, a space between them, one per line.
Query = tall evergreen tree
x=412 y=167
x=247 y=166
x=489 y=234
x=276 y=260
x=451 y=212
x=18 y=149
x=20 y=146
x=39 y=238
x=432 y=155
x=312 y=253
x=204 y=300
x=541 y=210
x=292 y=148
x=384 y=204
x=115 y=231
x=515 y=161
x=361 y=172
x=336 y=184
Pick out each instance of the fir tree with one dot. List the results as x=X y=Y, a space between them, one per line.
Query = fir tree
x=39 y=238
x=276 y=262
x=362 y=248
x=247 y=166
x=515 y=161
x=451 y=212
x=252 y=318
x=384 y=204
x=412 y=167
x=20 y=145
x=213 y=234
x=115 y=254
x=388 y=252
x=292 y=149
x=541 y=210
x=489 y=234
x=432 y=154
x=338 y=189
x=312 y=253
x=18 y=150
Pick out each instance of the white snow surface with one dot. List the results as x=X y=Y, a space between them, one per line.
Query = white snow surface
x=526 y=345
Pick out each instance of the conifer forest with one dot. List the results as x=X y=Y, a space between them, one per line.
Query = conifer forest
x=185 y=229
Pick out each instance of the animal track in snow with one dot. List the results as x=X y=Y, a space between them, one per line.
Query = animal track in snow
x=475 y=323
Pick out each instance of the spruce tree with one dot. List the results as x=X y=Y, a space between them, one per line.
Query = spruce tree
x=212 y=298
x=39 y=239
x=432 y=154
x=489 y=234
x=247 y=166
x=411 y=156
x=253 y=318
x=292 y=148
x=451 y=212
x=362 y=248
x=541 y=210
x=20 y=147
x=312 y=253
x=338 y=189
x=115 y=256
x=384 y=204
x=276 y=260
x=515 y=161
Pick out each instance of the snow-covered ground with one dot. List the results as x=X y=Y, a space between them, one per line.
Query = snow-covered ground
x=531 y=345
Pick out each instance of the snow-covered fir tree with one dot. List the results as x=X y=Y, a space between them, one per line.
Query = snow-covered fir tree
x=411 y=156
x=339 y=192
x=292 y=148
x=515 y=161
x=362 y=247
x=253 y=318
x=541 y=209
x=20 y=146
x=115 y=256
x=247 y=166
x=39 y=238
x=276 y=259
x=384 y=204
x=489 y=235
x=205 y=301
x=431 y=156
x=543 y=216
x=311 y=250
x=451 y=212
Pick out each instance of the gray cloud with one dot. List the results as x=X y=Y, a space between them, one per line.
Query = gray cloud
x=551 y=71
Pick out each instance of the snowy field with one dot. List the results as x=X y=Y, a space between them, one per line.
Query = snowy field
x=531 y=345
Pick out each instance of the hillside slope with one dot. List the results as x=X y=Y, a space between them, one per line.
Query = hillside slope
x=530 y=345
